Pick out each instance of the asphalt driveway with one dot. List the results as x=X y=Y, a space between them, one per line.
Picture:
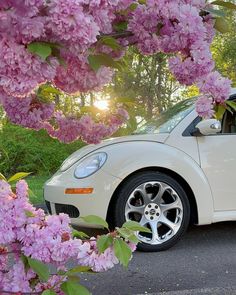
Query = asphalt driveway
x=204 y=262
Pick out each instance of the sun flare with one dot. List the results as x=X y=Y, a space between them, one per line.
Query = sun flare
x=102 y=104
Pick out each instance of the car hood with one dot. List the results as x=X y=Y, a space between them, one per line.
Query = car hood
x=161 y=138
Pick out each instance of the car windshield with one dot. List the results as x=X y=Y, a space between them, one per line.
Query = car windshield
x=168 y=120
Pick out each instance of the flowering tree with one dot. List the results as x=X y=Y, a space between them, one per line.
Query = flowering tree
x=74 y=44
x=48 y=47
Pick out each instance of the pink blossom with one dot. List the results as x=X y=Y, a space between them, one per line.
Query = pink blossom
x=5 y=189
x=97 y=262
x=69 y=22
x=79 y=76
x=28 y=112
x=192 y=68
x=28 y=231
x=216 y=86
x=103 y=12
x=22 y=189
x=204 y=107
x=17 y=280
x=20 y=71
x=72 y=28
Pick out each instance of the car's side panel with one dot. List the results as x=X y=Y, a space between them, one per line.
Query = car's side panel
x=126 y=158
x=187 y=144
x=218 y=161
x=224 y=216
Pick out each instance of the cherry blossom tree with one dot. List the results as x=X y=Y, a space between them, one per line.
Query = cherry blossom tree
x=75 y=45
x=71 y=46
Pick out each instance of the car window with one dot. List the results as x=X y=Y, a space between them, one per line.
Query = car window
x=168 y=120
x=229 y=122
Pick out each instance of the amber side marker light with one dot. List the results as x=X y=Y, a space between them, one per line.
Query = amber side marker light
x=79 y=191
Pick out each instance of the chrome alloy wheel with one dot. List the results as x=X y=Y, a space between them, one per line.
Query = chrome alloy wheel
x=155 y=205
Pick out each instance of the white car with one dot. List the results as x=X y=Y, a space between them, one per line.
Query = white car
x=175 y=170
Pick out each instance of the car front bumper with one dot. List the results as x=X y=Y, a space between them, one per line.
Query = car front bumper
x=79 y=205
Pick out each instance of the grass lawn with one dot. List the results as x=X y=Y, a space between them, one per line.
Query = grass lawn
x=36 y=186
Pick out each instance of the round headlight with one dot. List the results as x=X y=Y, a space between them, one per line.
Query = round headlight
x=90 y=165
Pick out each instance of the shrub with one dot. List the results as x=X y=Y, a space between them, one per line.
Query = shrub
x=27 y=150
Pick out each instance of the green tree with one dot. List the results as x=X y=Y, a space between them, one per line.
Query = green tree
x=223 y=49
x=147 y=81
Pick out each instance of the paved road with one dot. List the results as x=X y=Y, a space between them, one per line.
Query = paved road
x=204 y=259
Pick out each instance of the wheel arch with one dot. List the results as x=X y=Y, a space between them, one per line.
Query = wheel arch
x=188 y=190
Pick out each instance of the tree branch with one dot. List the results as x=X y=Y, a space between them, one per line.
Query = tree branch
x=117 y=35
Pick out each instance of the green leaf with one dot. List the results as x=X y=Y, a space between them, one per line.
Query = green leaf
x=24 y=259
x=122 y=251
x=78 y=269
x=221 y=25
x=93 y=219
x=2 y=177
x=229 y=109
x=215 y=12
x=49 y=292
x=110 y=42
x=219 y=111
x=29 y=213
x=133 y=6
x=18 y=176
x=144 y=2
x=72 y=288
x=94 y=62
x=74 y=278
x=232 y=104
x=133 y=239
x=61 y=272
x=128 y=235
x=121 y=26
x=57 y=53
x=135 y=226
x=42 y=49
x=49 y=90
x=104 y=242
x=79 y=234
x=229 y=5
x=98 y=60
x=39 y=268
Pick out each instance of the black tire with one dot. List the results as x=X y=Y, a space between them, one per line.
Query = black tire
x=118 y=216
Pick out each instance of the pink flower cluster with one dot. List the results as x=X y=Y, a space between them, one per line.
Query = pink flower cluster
x=177 y=27
x=204 y=107
x=72 y=29
x=20 y=71
x=91 y=257
x=78 y=75
x=69 y=22
x=30 y=112
x=25 y=230
x=216 y=89
x=73 y=26
x=69 y=129
x=167 y=26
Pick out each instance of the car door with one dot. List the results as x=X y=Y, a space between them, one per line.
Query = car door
x=218 y=161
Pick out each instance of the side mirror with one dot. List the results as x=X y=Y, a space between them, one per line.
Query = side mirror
x=209 y=127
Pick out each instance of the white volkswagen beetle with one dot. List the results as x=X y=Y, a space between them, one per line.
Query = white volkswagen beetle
x=174 y=170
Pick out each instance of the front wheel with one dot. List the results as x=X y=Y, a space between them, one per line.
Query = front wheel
x=156 y=201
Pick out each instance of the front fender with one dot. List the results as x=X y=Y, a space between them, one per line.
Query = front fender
x=127 y=157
